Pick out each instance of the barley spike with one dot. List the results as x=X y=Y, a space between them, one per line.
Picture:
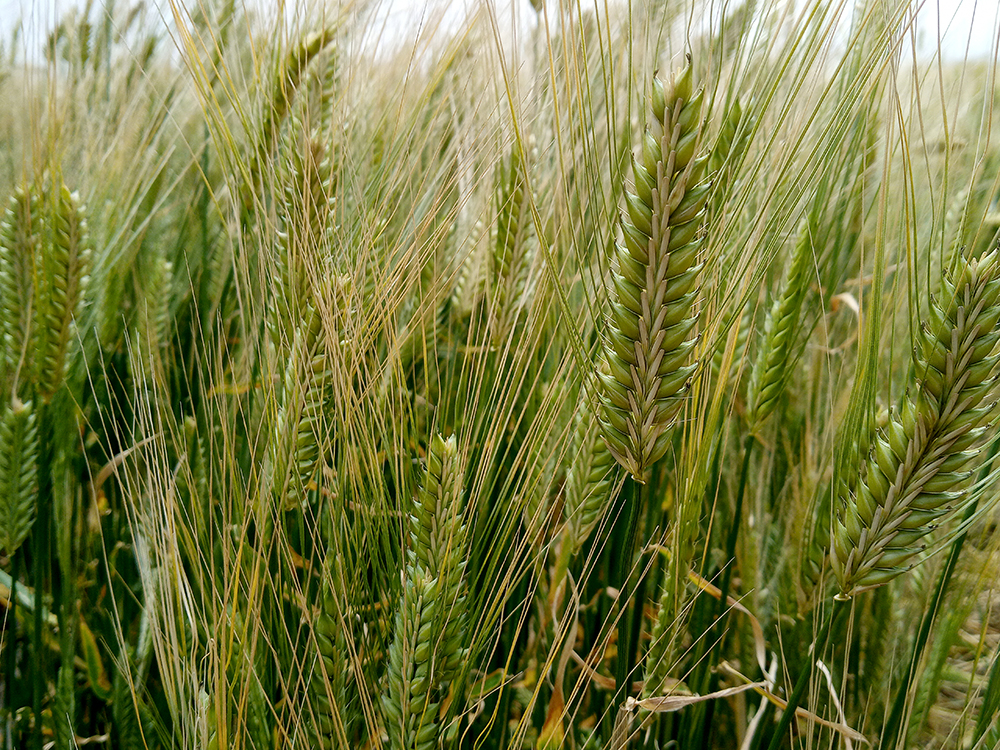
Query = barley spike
x=917 y=470
x=18 y=474
x=781 y=331
x=19 y=246
x=648 y=339
x=65 y=263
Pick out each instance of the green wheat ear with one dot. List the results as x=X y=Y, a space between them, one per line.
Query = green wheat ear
x=64 y=262
x=18 y=474
x=19 y=246
x=777 y=351
x=514 y=245
x=437 y=545
x=299 y=429
x=916 y=476
x=590 y=477
x=408 y=709
x=654 y=275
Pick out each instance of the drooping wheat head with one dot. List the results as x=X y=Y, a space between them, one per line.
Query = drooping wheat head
x=648 y=338
x=916 y=475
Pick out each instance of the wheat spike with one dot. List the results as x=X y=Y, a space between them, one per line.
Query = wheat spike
x=589 y=478
x=648 y=339
x=65 y=263
x=152 y=329
x=19 y=247
x=410 y=714
x=739 y=337
x=917 y=472
x=437 y=545
x=777 y=351
x=298 y=432
x=514 y=244
x=304 y=228
x=18 y=474
x=330 y=673
x=733 y=138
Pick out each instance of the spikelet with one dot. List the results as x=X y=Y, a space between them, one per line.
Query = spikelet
x=648 y=340
x=19 y=247
x=18 y=474
x=410 y=714
x=590 y=477
x=917 y=471
x=777 y=351
x=65 y=261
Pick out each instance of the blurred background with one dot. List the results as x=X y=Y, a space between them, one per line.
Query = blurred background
x=966 y=28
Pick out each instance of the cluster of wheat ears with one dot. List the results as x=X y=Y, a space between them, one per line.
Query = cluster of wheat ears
x=566 y=378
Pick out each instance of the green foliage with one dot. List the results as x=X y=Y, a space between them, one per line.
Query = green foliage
x=317 y=420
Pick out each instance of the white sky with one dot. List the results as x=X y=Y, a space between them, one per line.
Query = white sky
x=968 y=24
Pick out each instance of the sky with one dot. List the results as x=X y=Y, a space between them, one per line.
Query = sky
x=967 y=24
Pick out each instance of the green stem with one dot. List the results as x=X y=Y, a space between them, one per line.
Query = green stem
x=10 y=645
x=714 y=641
x=734 y=529
x=835 y=615
x=41 y=566
x=631 y=500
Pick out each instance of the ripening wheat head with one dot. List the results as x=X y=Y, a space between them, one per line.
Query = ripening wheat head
x=648 y=339
x=916 y=475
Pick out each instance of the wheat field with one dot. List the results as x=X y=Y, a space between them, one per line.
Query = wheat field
x=614 y=376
